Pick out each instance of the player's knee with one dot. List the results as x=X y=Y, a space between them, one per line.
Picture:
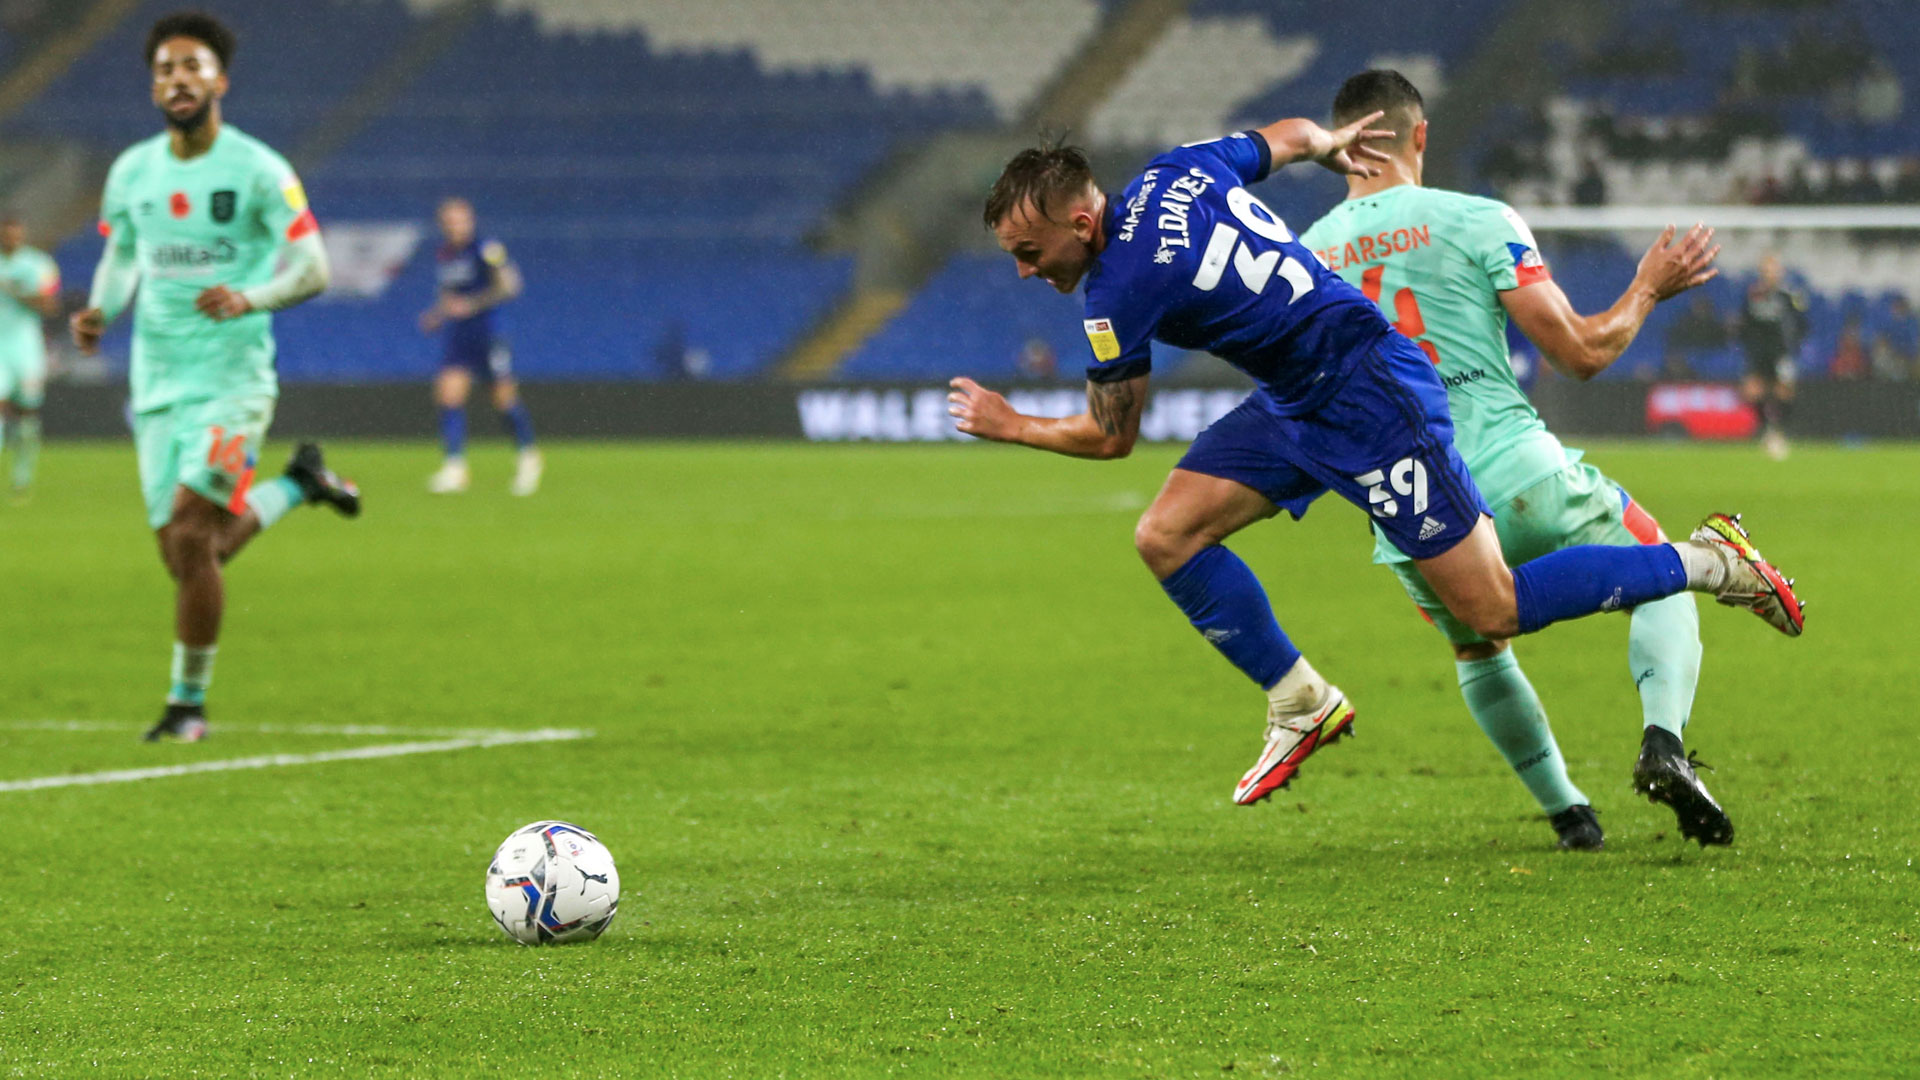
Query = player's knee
x=1491 y=620
x=1479 y=650
x=1491 y=612
x=1162 y=545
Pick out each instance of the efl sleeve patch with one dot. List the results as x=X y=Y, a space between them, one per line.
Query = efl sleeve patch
x=295 y=195
x=1528 y=266
x=304 y=225
x=1106 y=344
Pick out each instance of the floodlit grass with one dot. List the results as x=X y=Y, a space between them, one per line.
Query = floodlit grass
x=910 y=768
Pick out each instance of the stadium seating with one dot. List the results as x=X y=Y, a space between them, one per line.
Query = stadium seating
x=656 y=167
x=1226 y=64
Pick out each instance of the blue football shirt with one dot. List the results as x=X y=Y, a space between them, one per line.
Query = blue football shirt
x=1195 y=260
x=464 y=271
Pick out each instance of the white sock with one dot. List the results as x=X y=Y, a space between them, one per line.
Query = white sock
x=1706 y=565
x=1300 y=691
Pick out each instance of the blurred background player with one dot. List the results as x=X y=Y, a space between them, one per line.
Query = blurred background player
x=1450 y=269
x=1772 y=324
x=29 y=295
x=475 y=277
x=213 y=229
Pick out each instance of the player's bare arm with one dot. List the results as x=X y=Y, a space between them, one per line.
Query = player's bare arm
x=1583 y=346
x=1344 y=150
x=1107 y=430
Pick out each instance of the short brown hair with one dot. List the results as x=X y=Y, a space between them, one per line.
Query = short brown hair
x=1382 y=90
x=1046 y=175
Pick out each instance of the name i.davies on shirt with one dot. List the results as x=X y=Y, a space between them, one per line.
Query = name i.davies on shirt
x=1175 y=206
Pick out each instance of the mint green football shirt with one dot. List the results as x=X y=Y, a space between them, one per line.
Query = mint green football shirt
x=218 y=219
x=1436 y=261
x=23 y=341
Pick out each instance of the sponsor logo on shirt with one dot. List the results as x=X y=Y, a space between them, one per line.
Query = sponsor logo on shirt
x=1106 y=344
x=175 y=257
x=1138 y=204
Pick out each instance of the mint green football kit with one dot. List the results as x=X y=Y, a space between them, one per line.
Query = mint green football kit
x=23 y=340
x=203 y=391
x=1436 y=261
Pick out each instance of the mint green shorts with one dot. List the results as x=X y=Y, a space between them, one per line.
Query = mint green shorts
x=208 y=447
x=23 y=380
x=1577 y=505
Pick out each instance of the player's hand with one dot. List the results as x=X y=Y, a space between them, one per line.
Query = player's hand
x=220 y=303
x=1345 y=149
x=980 y=412
x=86 y=327
x=1670 y=268
x=431 y=319
x=458 y=307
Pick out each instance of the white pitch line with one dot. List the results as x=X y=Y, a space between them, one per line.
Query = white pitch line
x=263 y=729
x=274 y=761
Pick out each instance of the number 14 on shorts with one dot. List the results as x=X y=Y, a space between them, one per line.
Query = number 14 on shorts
x=1407 y=477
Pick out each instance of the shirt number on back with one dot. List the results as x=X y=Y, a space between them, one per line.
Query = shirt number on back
x=1255 y=271
x=1406 y=311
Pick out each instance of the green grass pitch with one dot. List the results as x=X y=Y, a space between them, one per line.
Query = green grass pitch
x=911 y=769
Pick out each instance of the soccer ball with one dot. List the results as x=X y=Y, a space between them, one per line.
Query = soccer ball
x=552 y=882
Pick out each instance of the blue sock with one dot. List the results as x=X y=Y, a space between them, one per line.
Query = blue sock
x=1225 y=602
x=520 y=423
x=453 y=431
x=1582 y=580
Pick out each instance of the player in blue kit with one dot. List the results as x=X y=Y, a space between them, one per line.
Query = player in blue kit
x=1343 y=402
x=475 y=277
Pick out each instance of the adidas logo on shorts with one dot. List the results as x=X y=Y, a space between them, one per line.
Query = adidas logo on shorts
x=1430 y=528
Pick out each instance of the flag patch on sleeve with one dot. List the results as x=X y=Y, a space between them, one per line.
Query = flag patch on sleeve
x=1528 y=266
x=1106 y=344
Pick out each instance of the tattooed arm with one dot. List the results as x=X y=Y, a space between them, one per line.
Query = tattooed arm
x=1106 y=430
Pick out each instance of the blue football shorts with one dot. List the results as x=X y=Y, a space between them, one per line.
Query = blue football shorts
x=1383 y=442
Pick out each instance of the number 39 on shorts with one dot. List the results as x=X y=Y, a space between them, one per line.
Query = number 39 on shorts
x=1407 y=477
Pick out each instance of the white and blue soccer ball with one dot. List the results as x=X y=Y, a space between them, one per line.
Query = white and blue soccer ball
x=552 y=882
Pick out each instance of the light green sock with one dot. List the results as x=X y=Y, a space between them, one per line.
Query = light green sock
x=26 y=450
x=1663 y=650
x=192 y=674
x=271 y=501
x=1503 y=703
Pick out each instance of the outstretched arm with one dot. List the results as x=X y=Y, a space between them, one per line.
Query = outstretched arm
x=1106 y=430
x=1343 y=150
x=1583 y=346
